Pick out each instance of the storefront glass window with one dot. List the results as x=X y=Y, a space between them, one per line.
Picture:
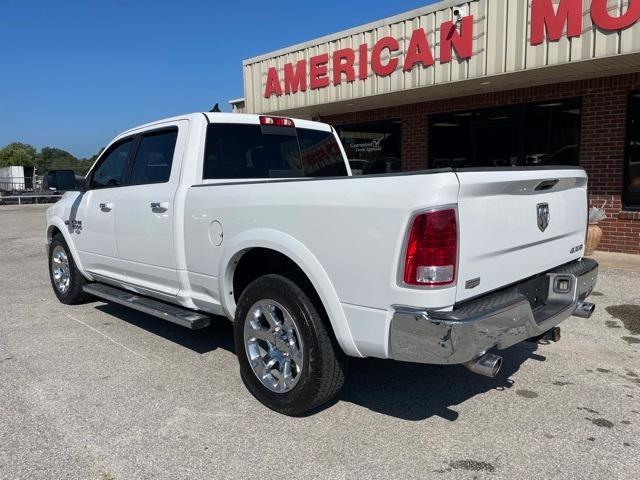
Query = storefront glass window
x=632 y=165
x=552 y=135
x=372 y=147
x=529 y=134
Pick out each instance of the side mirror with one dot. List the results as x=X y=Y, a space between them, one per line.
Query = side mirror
x=62 y=181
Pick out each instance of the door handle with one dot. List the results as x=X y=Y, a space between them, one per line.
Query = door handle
x=106 y=207
x=159 y=207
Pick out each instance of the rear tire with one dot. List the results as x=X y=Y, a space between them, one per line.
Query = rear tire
x=66 y=279
x=276 y=323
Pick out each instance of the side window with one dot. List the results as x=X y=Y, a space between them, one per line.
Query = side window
x=110 y=171
x=152 y=163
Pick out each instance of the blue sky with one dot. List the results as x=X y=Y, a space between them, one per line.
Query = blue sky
x=76 y=73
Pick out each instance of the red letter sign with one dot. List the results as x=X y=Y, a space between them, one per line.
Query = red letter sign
x=542 y=15
x=318 y=71
x=346 y=66
x=376 y=64
x=363 y=60
x=600 y=15
x=295 y=80
x=462 y=42
x=273 y=83
x=419 y=51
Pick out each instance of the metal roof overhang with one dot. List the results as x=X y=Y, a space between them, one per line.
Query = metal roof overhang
x=601 y=67
x=503 y=55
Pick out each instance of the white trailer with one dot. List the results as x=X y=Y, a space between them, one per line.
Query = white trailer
x=16 y=179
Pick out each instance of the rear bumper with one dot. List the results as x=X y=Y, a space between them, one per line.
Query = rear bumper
x=500 y=319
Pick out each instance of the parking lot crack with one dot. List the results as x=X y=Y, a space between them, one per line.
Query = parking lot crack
x=107 y=337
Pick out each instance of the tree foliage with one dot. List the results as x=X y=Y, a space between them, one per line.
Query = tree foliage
x=86 y=163
x=54 y=158
x=49 y=158
x=17 y=154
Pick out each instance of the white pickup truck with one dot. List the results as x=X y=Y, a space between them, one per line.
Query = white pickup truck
x=258 y=219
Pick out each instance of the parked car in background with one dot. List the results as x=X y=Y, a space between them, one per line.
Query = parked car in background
x=375 y=166
x=358 y=167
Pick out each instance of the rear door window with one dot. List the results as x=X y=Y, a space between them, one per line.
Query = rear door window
x=154 y=157
x=246 y=151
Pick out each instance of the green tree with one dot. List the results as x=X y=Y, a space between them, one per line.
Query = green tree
x=51 y=158
x=17 y=154
x=84 y=164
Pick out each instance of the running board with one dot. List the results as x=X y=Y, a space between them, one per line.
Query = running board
x=165 y=311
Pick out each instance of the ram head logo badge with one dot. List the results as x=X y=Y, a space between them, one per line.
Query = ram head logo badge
x=543 y=216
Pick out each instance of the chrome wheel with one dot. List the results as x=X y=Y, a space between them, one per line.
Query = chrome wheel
x=273 y=346
x=60 y=269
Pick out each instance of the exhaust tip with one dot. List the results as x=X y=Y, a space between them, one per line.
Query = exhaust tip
x=584 y=310
x=488 y=365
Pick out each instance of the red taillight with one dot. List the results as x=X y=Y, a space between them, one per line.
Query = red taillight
x=277 y=121
x=432 y=249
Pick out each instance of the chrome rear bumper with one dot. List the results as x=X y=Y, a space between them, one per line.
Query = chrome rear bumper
x=500 y=319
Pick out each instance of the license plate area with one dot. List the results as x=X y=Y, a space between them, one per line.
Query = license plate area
x=549 y=294
x=536 y=290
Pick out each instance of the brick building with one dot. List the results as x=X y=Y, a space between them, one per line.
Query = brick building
x=491 y=83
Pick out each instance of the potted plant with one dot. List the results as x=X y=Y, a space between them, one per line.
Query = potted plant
x=594 y=232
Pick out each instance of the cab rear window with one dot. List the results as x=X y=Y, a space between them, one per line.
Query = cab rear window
x=252 y=151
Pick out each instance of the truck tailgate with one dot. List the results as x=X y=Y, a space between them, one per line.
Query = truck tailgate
x=505 y=232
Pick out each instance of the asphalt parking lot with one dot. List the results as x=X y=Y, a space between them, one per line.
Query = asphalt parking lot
x=100 y=392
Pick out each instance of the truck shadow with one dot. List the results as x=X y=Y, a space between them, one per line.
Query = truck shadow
x=404 y=390
x=416 y=392
x=218 y=335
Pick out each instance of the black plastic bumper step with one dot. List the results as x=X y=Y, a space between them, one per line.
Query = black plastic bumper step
x=165 y=311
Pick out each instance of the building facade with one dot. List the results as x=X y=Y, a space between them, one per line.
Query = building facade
x=479 y=83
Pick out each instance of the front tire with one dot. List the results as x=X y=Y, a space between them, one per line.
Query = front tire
x=286 y=356
x=66 y=279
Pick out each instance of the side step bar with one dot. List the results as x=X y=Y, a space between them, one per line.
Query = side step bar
x=165 y=311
